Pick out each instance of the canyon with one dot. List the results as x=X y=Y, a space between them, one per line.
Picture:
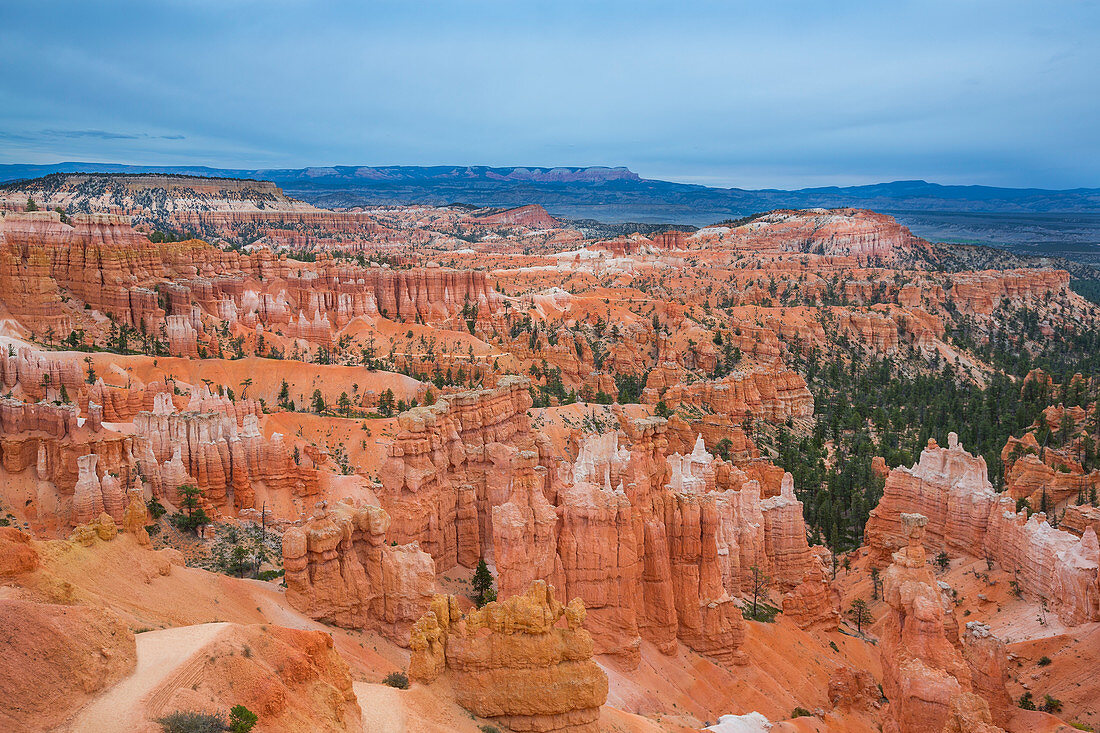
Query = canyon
x=382 y=406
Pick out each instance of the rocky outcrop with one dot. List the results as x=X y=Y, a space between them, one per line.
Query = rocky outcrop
x=525 y=538
x=813 y=604
x=1049 y=564
x=533 y=216
x=55 y=421
x=451 y=463
x=785 y=545
x=56 y=658
x=1077 y=519
x=853 y=689
x=855 y=233
x=180 y=293
x=71 y=472
x=88 y=493
x=102 y=528
x=965 y=516
x=37 y=374
x=657 y=546
x=923 y=670
x=950 y=487
x=205 y=447
x=136 y=515
x=769 y=394
x=514 y=662
x=293 y=679
x=982 y=292
x=17 y=554
x=1028 y=477
x=341 y=570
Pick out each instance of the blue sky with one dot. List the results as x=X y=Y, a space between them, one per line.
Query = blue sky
x=767 y=94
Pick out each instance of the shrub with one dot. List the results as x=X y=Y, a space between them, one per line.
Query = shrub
x=397 y=679
x=241 y=719
x=1043 y=661
x=1027 y=702
x=800 y=712
x=192 y=722
x=765 y=613
x=942 y=560
x=1051 y=704
x=486 y=728
x=156 y=509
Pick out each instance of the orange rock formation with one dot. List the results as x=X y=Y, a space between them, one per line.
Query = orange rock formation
x=965 y=516
x=339 y=569
x=514 y=662
x=55 y=659
x=925 y=672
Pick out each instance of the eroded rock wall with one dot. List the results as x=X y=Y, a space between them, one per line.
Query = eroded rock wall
x=525 y=662
x=966 y=516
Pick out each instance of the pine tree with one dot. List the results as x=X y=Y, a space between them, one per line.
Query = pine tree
x=760 y=585
x=483 y=584
x=860 y=614
x=943 y=561
x=386 y=402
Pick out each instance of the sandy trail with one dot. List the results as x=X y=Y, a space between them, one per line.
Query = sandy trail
x=159 y=655
x=383 y=708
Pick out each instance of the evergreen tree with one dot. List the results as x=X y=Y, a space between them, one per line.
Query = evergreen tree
x=860 y=614
x=241 y=719
x=386 y=402
x=482 y=583
x=196 y=516
x=760 y=585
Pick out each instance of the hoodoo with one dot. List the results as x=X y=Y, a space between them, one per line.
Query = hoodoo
x=450 y=467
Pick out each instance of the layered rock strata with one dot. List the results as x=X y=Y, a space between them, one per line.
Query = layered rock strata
x=341 y=570
x=205 y=448
x=657 y=546
x=925 y=672
x=966 y=516
x=525 y=662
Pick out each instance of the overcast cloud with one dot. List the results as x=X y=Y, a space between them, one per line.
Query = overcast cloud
x=769 y=94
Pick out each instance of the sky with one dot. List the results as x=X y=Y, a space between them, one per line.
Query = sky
x=763 y=94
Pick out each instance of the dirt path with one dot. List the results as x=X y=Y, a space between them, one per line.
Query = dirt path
x=383 y=708
x=161 y=655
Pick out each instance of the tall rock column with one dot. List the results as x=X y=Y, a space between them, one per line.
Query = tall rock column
x=88 y=493
x=525 y=537
x=924 y=673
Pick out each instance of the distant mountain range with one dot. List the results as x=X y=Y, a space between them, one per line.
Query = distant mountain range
x=606 y=194
x=1029 y=221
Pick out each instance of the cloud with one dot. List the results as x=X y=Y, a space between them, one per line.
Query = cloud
x=100 y=134
x=761 y=94
x=107 y=135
